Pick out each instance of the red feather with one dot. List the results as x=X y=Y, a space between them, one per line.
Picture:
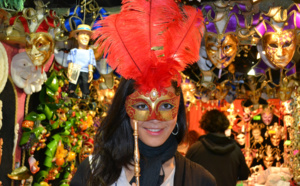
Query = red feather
x=150 y=41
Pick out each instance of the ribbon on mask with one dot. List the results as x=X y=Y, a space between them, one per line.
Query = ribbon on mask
x=73 y=19
x=291 y=68
x=100 y=16
x=260 y=68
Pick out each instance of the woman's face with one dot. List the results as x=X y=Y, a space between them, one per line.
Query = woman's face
x=159 y=115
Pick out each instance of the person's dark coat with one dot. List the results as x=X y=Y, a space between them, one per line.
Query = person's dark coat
x=221 y=156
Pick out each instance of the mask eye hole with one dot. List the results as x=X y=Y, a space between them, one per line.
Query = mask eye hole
x=227 y=47
x=287 y=44
x=273 y=45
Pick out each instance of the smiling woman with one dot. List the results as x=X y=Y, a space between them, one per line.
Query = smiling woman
x=146 y=120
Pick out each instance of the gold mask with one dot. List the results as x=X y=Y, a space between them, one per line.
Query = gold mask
x=221 y=49
x=163 y=107
x=268 y=161
x=39 y=47
x=280 y=47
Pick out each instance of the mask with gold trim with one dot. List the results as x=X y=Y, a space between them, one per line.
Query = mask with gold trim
x=221 y=50
x=221 y=38
x=280 y=47
x=162 y=106
x=278 y=33
x=39 y=47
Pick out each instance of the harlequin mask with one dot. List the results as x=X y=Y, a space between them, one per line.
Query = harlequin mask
x=280 y=47
x=162 y=106
x=221 y=49
x=39 y=47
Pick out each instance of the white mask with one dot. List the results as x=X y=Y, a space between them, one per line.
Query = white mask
x=26 y=75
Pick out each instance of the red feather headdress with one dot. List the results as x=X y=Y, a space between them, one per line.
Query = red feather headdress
x=150 y=41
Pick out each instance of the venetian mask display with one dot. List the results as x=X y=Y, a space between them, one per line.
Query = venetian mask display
x=39 y=47
x=25 y=75
x=221 y=49
x=279 y=47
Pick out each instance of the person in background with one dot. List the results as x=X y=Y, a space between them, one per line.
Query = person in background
x=220 y=155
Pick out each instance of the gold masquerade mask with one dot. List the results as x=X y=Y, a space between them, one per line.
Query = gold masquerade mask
x=39 y=47
x=221 y=49
x=280 y=47
x=152 y=105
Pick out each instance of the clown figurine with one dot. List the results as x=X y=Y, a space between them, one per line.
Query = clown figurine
x=80 y=62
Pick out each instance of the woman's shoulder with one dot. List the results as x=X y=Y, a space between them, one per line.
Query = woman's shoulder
x=194 y=173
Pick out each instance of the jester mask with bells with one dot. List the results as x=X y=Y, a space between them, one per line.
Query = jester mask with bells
x=278 y=36
x=221 y=41
x=151 y=55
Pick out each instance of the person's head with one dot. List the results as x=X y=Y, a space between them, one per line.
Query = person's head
x=156 y=114
x=83 y=35
x=214 y=121
x=267 y=116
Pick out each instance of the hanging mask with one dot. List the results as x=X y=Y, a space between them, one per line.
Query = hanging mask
x=280 y=47
x=39 y=47
x=278 y=36
x=220 y=49
x=221 y=38
x=25 y=75
x=268 y=157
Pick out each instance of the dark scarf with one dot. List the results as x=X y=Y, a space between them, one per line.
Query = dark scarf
x=152 y=159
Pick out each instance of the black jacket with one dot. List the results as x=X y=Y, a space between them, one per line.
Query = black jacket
x=221 y=156
x=187 y=173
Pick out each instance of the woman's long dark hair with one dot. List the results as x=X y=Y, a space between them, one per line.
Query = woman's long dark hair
x=114 y=141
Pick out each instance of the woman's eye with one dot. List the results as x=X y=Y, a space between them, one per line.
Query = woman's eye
x=166 y=106
x=141 y=106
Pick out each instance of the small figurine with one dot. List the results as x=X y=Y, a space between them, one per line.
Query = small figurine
x=80 y=62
